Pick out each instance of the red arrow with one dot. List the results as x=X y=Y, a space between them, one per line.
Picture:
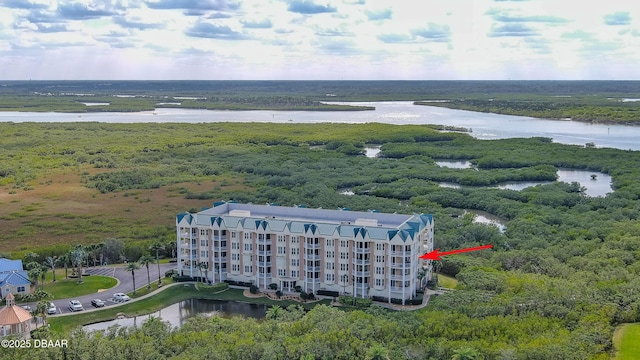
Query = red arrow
x=435 y=254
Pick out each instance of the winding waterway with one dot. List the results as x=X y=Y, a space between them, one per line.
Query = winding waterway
x=483 y=125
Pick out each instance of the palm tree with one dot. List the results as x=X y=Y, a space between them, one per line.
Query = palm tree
x=466 y=353
x=51 y=262
x=377 y=352
x=35 y=273
x=422 y=273
x=77 y=256
x=30 y=257
x=132 y=266
x=41 y=309
x=274 y=312
x=200 y=266
x=64 y=261
x=156 y=246
x=145 y=260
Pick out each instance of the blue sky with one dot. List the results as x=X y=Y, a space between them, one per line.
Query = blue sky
x=319 y=39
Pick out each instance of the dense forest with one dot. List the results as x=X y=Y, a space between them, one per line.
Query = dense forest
x=560 y=278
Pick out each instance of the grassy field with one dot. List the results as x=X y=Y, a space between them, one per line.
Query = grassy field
x=626 y=341
x=66 y=288
x=447 y=281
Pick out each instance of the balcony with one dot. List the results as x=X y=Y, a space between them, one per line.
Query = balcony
x=264 y=263
x=361 y=250
x=263 y=241
x=361 y=262
x=401 y=253
x=216 y=248
x=220 y=259
x=399 y=265
x=400 y=277
x=358 y=274
x=312 y=268
x=311 y=246
x=311 y=257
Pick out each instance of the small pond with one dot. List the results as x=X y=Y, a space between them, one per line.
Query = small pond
x=598 y=186
x=483 y=217
x=178 y=313
x=458 y=164
x=372 y=151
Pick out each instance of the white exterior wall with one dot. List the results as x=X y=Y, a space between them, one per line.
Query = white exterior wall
x=362 y=265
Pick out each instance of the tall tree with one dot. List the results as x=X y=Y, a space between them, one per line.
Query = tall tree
x=77 y=256
x=41 y=309
x=51 y=262
x=145 y=260
x=132 y=266
x=157 y=246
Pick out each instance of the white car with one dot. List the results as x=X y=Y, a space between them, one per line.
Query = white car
x=120 y=297
x=75 y=305
x=52 y=309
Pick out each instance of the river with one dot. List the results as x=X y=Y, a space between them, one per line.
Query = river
x=483 y=125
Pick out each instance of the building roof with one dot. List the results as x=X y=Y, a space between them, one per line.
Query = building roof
x=302 y=220
x=15 y=278
x=10 y=315
x=7 y=265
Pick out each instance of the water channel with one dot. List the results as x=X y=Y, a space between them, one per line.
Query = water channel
x=178 y=313
x=483 y=125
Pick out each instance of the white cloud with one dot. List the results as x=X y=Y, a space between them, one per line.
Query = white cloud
x=318 y=39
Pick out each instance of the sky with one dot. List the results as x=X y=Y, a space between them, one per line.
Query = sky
x=319 y=40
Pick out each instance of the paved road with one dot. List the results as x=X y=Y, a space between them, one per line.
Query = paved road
x=125 y=284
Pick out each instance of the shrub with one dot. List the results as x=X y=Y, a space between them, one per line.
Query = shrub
x=328 y=293
x=253 y=289
x=273 y=286
x=278 y=294
x=298 y=288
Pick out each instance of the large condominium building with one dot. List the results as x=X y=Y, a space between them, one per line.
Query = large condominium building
x=364 y=254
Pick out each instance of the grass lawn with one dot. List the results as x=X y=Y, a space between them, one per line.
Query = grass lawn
x=626 y=341
x=447 y=281
x=62 y=325
x=65 y=288
x=141 y=291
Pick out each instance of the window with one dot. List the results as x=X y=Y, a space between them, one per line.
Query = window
x=295 y=273
x=344 y=267
x=235 y=268
x=203 y=232
x=331 y=254
x=281 y=238
x=330 y=243
x=295 y=240
x=379 y=258
x=248 y=268
x=295 y=262
x=380 y=247
x=295 y=251
x=344 y=243
x=282 y=250
x=247 y=236
x=379 y=270
x=204 y=253
x=379 y=282
x=248 y=247
x=282 y=272
x=235 y=246
x=344 y=255
x=233 y=234
x=235 y=256
x=330 y=266
x=331 y=277
x=21 y=288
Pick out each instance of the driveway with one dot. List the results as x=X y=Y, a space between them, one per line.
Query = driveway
x=125 y=284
